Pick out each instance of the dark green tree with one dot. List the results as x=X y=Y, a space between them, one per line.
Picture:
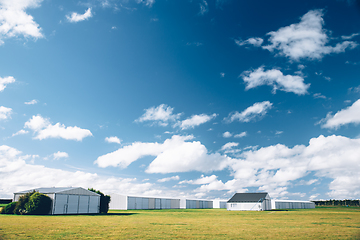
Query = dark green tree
x=9 y=208
x=104 y=200
x=38 y=204
x=20 y=206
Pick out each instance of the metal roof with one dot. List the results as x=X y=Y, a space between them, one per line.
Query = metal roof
x=247 y=197
x=64 y=190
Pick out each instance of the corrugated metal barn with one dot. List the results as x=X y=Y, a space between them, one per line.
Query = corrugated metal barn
x=291 y=204
x=249 y=202
x=123 y=202
x=219 y=203
x=68 y=200
x=198 y=204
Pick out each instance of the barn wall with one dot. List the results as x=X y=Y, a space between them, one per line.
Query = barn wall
x=118 y=202
x=289 y=204
x=250 y=206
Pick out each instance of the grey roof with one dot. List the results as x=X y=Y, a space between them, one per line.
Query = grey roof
x=247 y=197
x=64 y=190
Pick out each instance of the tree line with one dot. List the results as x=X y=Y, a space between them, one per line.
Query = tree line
x=333 y=202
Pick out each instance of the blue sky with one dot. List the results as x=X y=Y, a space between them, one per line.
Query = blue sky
x=197 y=99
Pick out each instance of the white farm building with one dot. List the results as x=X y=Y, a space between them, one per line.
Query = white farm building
x=68 y=200
x=124 y=202
x=262 y=202
x=249 y=202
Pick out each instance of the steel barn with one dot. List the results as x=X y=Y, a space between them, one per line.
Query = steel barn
x=123 y=202
x=68 y=200
x=249 y=202
x=291 y=204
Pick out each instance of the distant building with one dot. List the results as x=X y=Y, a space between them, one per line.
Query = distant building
x=291 y=204
x=249 y=202
x=68 y=200
x=124 y=202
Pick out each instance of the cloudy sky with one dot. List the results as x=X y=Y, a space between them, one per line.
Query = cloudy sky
x=194 y=98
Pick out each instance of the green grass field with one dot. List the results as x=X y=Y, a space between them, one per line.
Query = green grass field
x=319 y=223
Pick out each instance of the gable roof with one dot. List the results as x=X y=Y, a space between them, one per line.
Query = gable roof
x=62 y=190
x=248 y=197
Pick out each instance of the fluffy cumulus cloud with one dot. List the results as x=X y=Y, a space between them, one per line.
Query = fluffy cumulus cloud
x=161 y=115
x=15 y=22
x=21 y=175
x=343 y=117
x=43 y=129
x=251 y=113
x=229 y=145
x=276 y=79
x=58 y=155
x=202 y=180
x=5 y=81
x=113 y=140
x=195 y=121
x=176 y=154
x=251 y=41
x=32 y=102
x=5 y=112
x=306 y=39
x=274 y=168
x=240 y=135
x=76 y=17
x=169 y=179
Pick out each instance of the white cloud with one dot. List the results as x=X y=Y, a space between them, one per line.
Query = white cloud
x=276 y=79
x=278 y=132
x=229 y=145
x=176 y=154
x=59 y=155
x=227 y=134
x=168 y=179
x=202 y=180
x=5 y=112
x=195 y=121
x=350 y=37
x=32 y=102
x=161 y=115
x=20 y=132
x=251 y=113
x=343 y=117
x=252 y=41
x=75 y=17
x=319 y=95
x=204 y=7
x=240 y=135
x=6 y=80
x=44 y=129
x=113 y=140
x=15 y=22
x=222 y=74
x=20 y=175
x=307 y=39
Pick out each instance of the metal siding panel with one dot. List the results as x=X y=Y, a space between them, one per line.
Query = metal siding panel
x=131 y=202
x=145 y=203
x=151 y=203
x=157 y=203
x=83 y=204
x=60 y=206
x=73 y=204
x=175 y=203
x=94 y=204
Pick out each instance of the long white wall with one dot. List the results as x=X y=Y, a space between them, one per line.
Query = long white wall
x=291 y=204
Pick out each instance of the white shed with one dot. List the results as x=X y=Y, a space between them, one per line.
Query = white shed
x=68 y=200
x=249 y=202
x=219 y=203
x=291 y=204
x=123 y=202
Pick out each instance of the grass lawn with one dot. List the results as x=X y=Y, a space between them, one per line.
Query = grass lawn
x=319 y=223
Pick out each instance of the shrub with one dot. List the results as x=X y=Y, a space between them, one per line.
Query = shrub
x=38 y=204
x=20 y=206
x=33 y=203
x=9 y=208
x=104 y=200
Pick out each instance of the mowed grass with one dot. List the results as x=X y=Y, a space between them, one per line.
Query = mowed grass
x=319 y=223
